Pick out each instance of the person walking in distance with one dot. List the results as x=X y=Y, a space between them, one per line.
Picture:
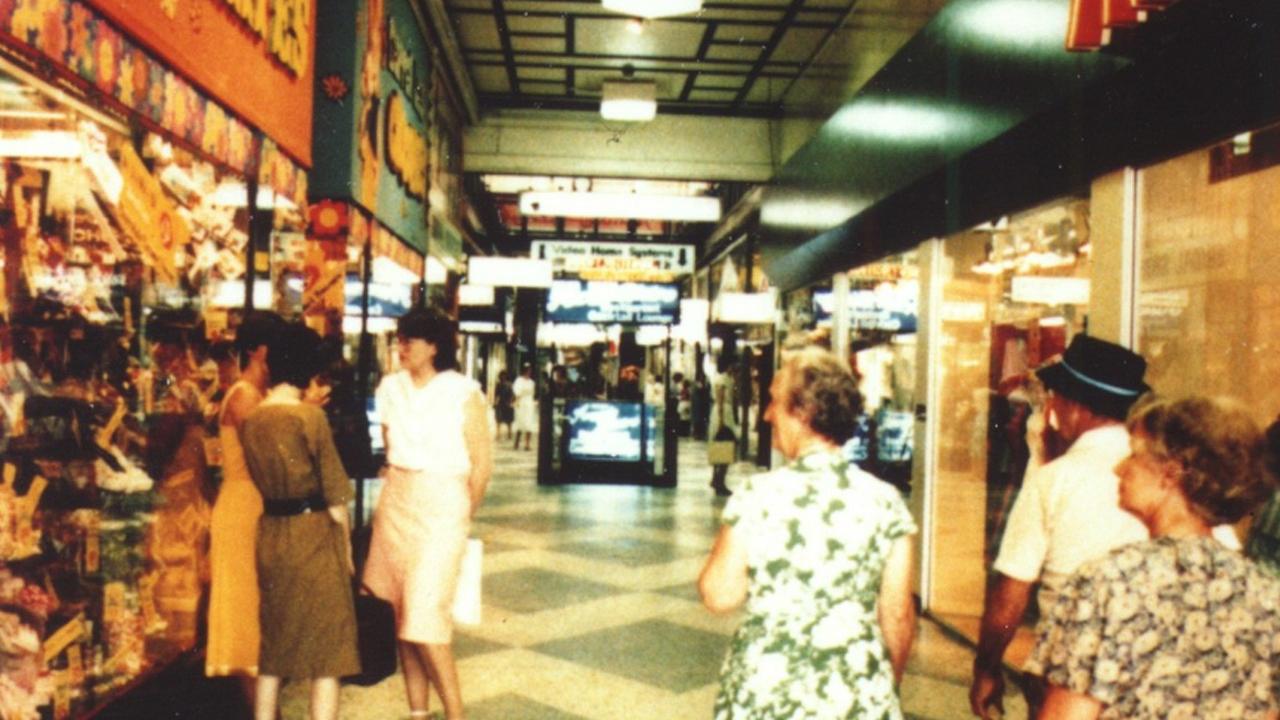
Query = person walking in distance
x=524 y=390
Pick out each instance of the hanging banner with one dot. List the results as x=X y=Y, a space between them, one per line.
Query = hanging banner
x=372 y=113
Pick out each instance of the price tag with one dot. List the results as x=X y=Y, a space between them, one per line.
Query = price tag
x=92 y=546
x=113 y=602
x=61 y=695
x=64 y=636
x=147 y=599
x=75 y=665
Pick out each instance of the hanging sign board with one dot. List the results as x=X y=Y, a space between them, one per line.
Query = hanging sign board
x=656 y=262
x=509 y=272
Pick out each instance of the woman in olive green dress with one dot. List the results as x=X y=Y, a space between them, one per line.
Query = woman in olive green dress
x=304 y=547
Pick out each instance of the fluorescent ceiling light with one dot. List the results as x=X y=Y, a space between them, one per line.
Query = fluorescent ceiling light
x=682 y=208
x=653 y=8
x=629 y=100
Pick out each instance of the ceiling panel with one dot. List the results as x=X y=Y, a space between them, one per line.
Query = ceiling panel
x=659 y=38
x=478 y=33
x=724 y=49
x=537 y=44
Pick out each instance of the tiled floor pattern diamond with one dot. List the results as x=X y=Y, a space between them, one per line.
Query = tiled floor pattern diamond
x=591 y=611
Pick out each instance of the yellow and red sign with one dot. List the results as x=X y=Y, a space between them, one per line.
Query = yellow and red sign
x=255 y=56
x=1091 y=21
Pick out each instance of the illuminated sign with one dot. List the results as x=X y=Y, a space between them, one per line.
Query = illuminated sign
x=617 y=261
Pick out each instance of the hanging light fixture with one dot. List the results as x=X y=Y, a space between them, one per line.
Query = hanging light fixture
x=653 y=8
x=629 y=100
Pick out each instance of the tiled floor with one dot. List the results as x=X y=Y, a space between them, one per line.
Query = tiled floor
x=590 y=610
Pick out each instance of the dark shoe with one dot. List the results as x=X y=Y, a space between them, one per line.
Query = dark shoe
x=721 y=490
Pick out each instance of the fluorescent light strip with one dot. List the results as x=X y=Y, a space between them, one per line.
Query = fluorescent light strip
x=653 y=8
x=628 y=207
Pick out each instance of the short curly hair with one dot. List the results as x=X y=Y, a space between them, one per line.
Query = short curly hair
x=821 y=389
x=1223 y=453
x=435 y=327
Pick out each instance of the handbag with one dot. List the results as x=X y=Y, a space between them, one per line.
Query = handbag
x=720 y=451
x=375 y=638
x=466 y=602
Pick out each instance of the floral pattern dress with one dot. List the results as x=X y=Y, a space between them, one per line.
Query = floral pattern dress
x=1168 y=628
x=817 y=533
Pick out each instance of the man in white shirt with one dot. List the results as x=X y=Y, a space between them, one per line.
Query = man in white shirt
x=1067 y=512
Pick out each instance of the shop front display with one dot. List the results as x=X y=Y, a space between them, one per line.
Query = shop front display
x=1013 y=292
x=126 y=224
x=1208 y=298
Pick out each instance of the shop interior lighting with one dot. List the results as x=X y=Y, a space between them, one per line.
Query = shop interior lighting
x=629 y=100
x=59 y=144
x=234 y=195
x=437 y=273
x=479 y=295
x=653 y=8
x=681 y=208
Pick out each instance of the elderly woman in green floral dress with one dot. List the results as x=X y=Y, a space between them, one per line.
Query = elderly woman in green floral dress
x=1178 y=626
x=821 y=554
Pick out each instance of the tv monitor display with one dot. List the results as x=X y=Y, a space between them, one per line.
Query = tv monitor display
x=870 y=310
x=385 y=299
x=602 y=302
x=601 y=430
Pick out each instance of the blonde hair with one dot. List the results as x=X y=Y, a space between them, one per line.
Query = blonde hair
x=1223 y=453
x=821 y=389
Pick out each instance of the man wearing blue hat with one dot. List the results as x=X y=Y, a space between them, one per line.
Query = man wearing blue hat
x=1068 y=511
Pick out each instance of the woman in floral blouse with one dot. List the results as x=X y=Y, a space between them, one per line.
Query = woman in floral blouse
x=1178 y=626
x=821 y=554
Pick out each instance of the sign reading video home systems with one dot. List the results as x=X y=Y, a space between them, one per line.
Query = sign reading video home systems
x=579 y=301
x=617 y=261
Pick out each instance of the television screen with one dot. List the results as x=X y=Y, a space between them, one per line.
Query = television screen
x=385 y=299
x=870 y=310
x=592 y=301
x=602 y=430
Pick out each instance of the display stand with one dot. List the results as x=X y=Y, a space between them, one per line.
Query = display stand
x=606 y=442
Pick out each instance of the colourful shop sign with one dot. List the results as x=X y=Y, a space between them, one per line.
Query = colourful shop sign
x=371 y=115
x=255 y=56
x=94 y=50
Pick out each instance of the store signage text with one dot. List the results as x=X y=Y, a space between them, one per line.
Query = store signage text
x=406 y=149
x=405 y=68
x=587 y=258
x=281 y=24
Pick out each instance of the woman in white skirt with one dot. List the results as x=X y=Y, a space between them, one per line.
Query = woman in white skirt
x=439 y=460
x=524 y=389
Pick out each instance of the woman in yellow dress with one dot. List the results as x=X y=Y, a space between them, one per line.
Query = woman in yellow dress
x=233 y=599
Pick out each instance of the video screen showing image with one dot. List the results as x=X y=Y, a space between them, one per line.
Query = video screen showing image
x=603 y=302
x=600 y=430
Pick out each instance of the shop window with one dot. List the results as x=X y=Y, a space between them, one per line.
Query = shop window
x=1013 y=293
x=1208 y=302
x=115 y=254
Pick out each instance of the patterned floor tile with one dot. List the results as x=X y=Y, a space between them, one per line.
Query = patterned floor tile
x=662 y=654
x=629 y=551
x=533 y=590
x=511 y=705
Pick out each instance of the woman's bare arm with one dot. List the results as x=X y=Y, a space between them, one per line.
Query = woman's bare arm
x=723 y=583
x=896 y=608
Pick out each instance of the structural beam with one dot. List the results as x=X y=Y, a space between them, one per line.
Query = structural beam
x=669 y=147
